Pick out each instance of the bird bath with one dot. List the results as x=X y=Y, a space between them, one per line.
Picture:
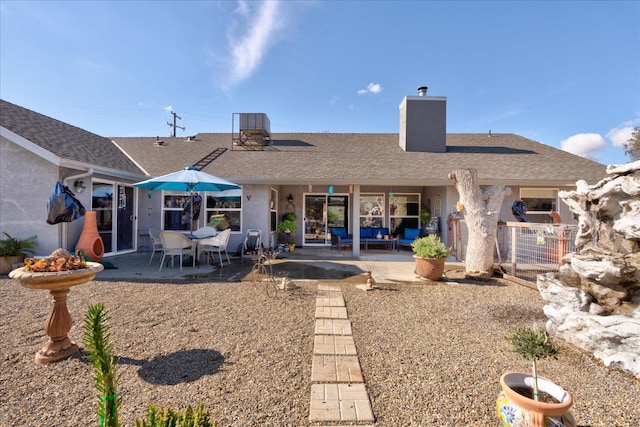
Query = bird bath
x=59 y=322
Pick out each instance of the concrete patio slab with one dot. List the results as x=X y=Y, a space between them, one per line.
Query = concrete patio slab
x=334 y=344
x=336 y=300
x=332 y=368
x=340 y=402
x=331 y=312
x=333 y=327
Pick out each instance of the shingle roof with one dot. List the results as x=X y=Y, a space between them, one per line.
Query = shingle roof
x=64 y=140
x=368 y=158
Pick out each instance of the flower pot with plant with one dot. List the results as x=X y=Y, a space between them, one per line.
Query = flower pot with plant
x=529 y=400
x=287 y=228
x=430 y=254
x=14 y=250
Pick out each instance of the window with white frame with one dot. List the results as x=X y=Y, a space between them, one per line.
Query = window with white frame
x=540 y=200
x=404 y=212
x=372 y=210
x=173 y=206
x=224 y=210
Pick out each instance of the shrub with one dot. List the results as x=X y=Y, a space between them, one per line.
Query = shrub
x=168 y=417
x=13 y=246
x=430 y=247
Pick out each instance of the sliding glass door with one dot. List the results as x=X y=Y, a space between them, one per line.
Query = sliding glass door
x=115 y=215
x=321 y=212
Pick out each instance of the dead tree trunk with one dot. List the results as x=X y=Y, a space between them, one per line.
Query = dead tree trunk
x=481 y=211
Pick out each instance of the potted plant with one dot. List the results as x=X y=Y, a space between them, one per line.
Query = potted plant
x=430 y=254
x=14 y=250
x=425 y=215
x=288 y=228
x=529 y=399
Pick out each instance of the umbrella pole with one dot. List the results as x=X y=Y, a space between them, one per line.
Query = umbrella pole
x=191 y=218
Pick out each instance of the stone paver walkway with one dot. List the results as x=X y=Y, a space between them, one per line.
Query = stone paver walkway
x=338 y=392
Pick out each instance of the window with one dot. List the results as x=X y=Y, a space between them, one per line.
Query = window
x=540 y=200
x=404 y=212
x=224 y=210
x=372 y=210
x=172 y=211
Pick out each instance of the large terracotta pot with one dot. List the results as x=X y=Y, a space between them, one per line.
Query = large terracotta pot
x=514 y=409
x=90 y=240
x=59 y=322
x=429 y=268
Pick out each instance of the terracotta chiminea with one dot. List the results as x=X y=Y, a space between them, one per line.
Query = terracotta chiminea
x=90 y=240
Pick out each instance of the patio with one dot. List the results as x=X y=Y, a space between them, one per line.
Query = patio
x=302 y=264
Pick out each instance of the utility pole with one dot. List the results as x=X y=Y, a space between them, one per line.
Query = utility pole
x=174 y=125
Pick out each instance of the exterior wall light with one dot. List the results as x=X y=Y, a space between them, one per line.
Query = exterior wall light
x=78 y=185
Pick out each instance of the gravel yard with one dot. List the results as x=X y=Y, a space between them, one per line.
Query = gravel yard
x=431 y=354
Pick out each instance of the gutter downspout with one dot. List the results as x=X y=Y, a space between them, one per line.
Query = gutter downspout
x=62 y=237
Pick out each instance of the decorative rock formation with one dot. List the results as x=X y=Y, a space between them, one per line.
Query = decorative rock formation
x=593 y=300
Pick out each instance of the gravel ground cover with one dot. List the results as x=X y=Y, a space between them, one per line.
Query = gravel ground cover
x=431 y=354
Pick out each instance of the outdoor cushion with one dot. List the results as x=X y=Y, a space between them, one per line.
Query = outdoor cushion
x=411 y=233
x=340 y=232
x=366 y=233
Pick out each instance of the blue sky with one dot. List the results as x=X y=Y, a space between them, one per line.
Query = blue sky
x=564 y=73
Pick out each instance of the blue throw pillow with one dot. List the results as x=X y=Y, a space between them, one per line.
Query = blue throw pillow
x=411 y=233
x=366 y=233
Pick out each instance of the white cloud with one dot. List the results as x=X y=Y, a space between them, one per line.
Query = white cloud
x=333 y=100
x=252 y=33
x=620 y=135
x=371 y=88
x=584 y=144
x=168 y=108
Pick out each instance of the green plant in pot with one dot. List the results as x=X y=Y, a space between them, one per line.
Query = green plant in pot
x=425 y=215
x=430 y=254
x=14 y=250
x=527 y=399
x=288 y=229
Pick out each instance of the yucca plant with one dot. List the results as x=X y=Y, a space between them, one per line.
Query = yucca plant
x=533 y=345
x=98 y=351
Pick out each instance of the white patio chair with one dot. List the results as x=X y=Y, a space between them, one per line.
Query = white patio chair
x=216 y=244
x=156 y=242
x=177 y=244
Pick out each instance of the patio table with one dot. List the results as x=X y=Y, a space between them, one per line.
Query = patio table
x=391 y=243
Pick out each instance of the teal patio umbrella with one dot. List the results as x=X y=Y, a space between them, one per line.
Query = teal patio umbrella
x=189 y=179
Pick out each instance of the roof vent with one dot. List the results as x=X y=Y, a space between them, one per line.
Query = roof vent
x=422 y=91
x=158 y=141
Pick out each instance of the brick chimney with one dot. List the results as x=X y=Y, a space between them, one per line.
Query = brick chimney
x=423 y=123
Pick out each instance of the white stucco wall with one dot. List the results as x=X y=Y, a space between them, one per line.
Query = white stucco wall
x=26 y=182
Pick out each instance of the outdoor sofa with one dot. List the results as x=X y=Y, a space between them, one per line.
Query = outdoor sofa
x=340 y=239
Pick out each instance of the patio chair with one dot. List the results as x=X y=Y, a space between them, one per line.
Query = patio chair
x=177 y=244
x=216 y=244
x=156 y=242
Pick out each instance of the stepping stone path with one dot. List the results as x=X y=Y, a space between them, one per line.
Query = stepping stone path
x=338 y=392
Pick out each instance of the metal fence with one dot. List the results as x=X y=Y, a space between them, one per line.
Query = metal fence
x=529 y=249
